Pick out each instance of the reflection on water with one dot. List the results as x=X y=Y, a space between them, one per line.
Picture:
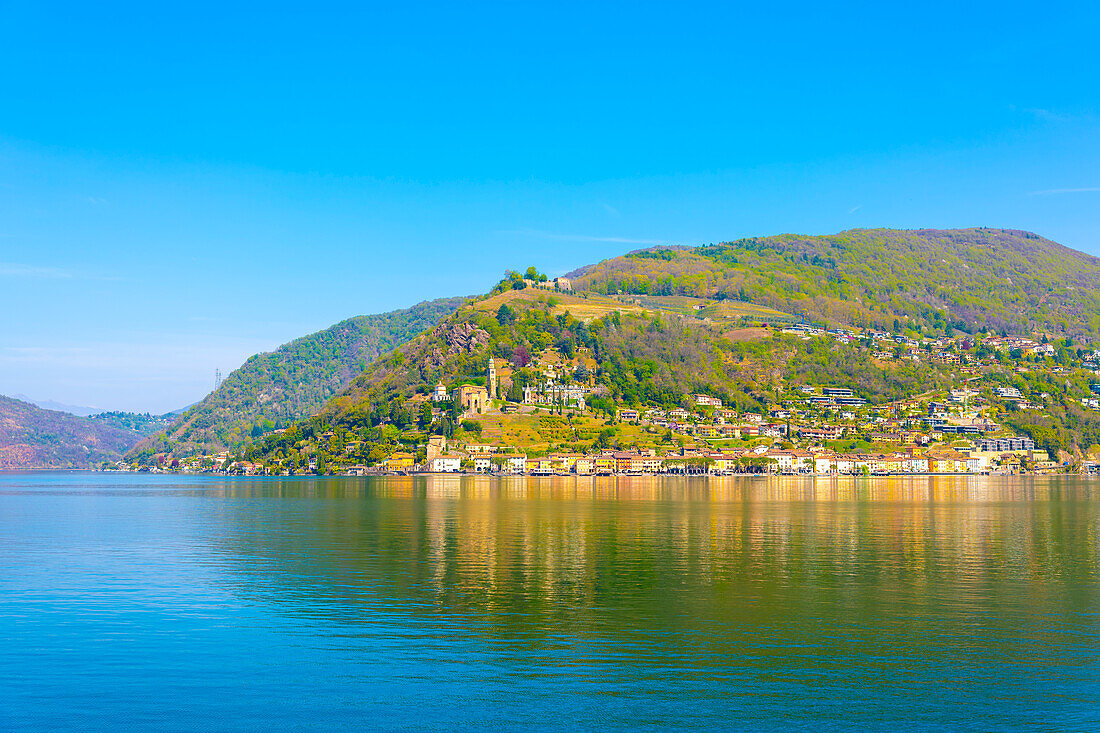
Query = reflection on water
x=649 y=601
x=520 y=550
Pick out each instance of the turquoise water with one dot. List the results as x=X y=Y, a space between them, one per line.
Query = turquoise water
x=179 y=603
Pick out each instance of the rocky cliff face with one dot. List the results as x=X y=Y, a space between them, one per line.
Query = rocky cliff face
x=460 y=338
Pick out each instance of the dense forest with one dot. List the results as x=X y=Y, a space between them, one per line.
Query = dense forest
x=274 y=389
x=931 y=280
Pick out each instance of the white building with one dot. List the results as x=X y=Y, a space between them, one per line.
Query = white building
x=568 y=395
x=824 y=463
x=916 y=464
x=444 y=464
x=515 y=464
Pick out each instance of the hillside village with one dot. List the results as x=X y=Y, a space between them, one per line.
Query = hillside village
x=808 y=430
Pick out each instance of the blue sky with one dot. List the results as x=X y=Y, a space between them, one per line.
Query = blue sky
x=183 y=186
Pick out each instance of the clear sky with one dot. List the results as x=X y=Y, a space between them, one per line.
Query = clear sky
x=182 y=185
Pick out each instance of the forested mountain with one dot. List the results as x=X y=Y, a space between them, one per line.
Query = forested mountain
x=924 y=282
x=31 y=437
x=934 y=280
x=274 y=389
x=655 y=326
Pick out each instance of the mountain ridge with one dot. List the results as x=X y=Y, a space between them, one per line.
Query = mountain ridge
x=272 y=389
x=872 y=277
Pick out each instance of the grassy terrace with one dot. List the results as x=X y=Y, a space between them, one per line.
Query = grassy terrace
x=589 y=306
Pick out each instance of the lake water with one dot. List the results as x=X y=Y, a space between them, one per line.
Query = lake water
x=180 y=603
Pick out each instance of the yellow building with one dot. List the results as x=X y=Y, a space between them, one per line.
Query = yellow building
x=399 y=462
x=540 y=466
x=605 y=465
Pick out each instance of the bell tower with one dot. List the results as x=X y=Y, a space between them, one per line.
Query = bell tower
x=491 y=379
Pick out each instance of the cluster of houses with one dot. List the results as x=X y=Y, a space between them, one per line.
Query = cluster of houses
x=889 y=346
x=488 y=459
x=1092 y=403
x=812 y=417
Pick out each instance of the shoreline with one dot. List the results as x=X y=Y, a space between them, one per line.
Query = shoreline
x=463 y=474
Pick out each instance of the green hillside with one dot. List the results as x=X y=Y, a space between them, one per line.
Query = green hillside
x=138 y=422
x=274 y=389
x=625 y=358
x=637 y=357
x=935 y=281
x=631 y=358
x=651 y=328
x=31 y=437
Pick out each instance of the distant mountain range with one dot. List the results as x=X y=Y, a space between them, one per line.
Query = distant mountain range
x=78 y=410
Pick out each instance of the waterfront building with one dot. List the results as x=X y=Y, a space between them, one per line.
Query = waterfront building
x=445 y=464
x=399 y=462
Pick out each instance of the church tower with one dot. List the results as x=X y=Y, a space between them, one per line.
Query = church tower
x=491 y=380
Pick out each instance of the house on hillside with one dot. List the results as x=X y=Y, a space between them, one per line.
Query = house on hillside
x=437 y=446
x=568 y=395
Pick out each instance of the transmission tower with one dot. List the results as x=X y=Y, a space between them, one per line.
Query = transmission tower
x=217 y=378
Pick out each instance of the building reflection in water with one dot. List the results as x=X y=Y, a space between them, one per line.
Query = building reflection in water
x=713 y=562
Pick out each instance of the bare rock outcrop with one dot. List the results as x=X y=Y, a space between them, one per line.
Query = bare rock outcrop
x=460 y=338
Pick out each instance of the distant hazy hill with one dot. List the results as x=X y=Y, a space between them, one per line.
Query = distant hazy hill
x=31 y=437
x=938 y=279
x=79 y=410
x=274 y=389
